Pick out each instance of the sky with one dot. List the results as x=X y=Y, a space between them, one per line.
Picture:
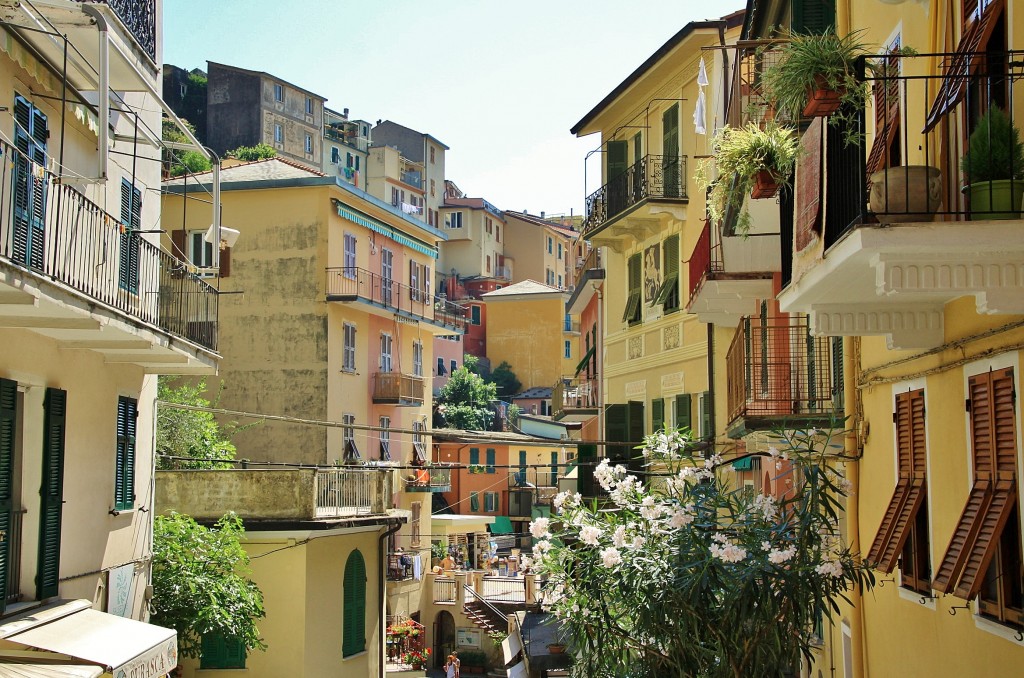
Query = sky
x=500 y=83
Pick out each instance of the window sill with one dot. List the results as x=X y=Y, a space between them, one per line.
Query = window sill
x=922 y=599
x=357 y=655
x=114 y=513
x=995 y=628
x=345 y=370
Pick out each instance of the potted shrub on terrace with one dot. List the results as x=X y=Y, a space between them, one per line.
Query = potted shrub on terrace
x=750 y=159
x=994 y=167
x=472 y=661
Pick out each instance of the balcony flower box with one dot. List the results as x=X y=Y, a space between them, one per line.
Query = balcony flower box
x=765 y=185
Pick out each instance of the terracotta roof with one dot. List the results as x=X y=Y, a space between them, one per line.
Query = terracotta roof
x=257 y=170
x=535 y=392
x=533 y=219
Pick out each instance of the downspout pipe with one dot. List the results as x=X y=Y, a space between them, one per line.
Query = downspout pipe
x=103 y=100
x=216 y=209
x=381 y=593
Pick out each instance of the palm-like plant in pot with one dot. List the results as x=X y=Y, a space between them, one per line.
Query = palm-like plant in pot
x=994 y=167
x=750 y=160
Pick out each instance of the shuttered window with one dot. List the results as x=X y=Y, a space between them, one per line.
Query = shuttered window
x=705 y=416
x=124 y=473
x=490 y=502
x=886 y=93
x=993 y=498
x=814 y=16
x=683 y=416
x=474 y=456
x=490 y=459
x=354 y=606
x=221 y=652
x=474 y=502
x=900 y=521
x=657 y=415
x=51 y=492
x=631 y=314
x=30 y=187
x=128 y=242
x=586 y=457
x=668 y=293
x=8 y=433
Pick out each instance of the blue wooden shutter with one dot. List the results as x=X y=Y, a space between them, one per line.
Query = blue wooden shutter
x=51 y=492
x=8 y=430
x=30 y=137
x=354 y=631
x=124 y=478
x=490 y=460
x=131 y=222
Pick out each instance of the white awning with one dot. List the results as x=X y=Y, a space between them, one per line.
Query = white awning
x=121 y=645
x=30 y=668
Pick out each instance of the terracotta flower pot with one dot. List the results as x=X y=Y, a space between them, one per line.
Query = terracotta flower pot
x=906 y=194
x=556 y=648
x=765 y=185
x=822 y=101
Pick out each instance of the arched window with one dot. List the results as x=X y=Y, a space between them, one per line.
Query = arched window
x=354 y=619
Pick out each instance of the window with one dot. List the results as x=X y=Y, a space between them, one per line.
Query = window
x=631 y=314
x=350 y=450
x=454 y=220
x=550 y=243
x=348 y=355
x=441 y=371
x=490 y=459
x=497 y=233
x=309 y=105
x=568 y=348
x=353 y=625
x=704 y=403
x=417 y=358
x=474 y=312
x=567 y=324
x=417 y=507
x=278 y=134
x=335 y=155
x=278 y=92
x=904 y=528
x=385 y=352
x=454 y=366
x=419 y=453
x=668 y=293
x=30 y=135
x=431 y=188
x=474 y=456
x=431 y=162
x=559 y=250
x=554 y=470
x=309 y=144
x=522 y=467
x=984 y=555
x=387 y=259
x=395 y=200
x=350 y=257
x=357 y=163
x=385 y=438
x=217 y=651
x=490 y=502
x=124 y=465
x=488 y=263
x=128 y=257
x=200 y=252
x=414 y=281
x=681 y=412
x=474 y=502
x=559 y=280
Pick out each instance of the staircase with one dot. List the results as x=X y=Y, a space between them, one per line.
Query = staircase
x=485 y=617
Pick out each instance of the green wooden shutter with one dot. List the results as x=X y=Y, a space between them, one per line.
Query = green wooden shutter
x=814 y=16
x=522 y=462
x=30 y=137
x=8 y=431
x=671 y=174
x=586 y=457
x=668 y=295
x=616 y=178
x=705 y=415
x=617 y=157
x=211 y=651
x=474 y=502
x=490 y=460
x=837 y=375
x=124 y=478
x=683 y=417
x=234 y=653
x=474 y=456
x=657 y=415
x=635 y=426
x=354 y=631
x=554 y=469
x=131 y=221
x=616 y=432
x=51 y=493
x=631 y=313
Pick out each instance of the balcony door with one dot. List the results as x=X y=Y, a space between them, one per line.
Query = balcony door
x=30 y=184
x=387 y=266
x=671 y=176
x=616 y=159
x=385 y=352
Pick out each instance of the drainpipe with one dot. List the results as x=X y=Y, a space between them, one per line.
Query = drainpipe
x=382 y=592
x=103 y=100
x=710 y=449
x=216 y=210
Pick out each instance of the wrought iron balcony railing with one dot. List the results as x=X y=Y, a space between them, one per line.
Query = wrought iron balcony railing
x=358 y=284
x=139 y=17
x=704 y=260
x=654 y=177
x=778 y=372
x=51 y=229
x=395 y=388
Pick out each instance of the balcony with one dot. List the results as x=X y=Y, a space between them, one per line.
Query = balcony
x=722 y=294
x=589 y=277
x=139 y=17
x=534 y=478
x=503 y=272
x=394 y=388
x=576 y=399
x=632 y=205
x=388 y=297
x=294 y=495
x=429 y=479
x=412 y=178
x=780 y=376
x=885 y=260
x=72 y=272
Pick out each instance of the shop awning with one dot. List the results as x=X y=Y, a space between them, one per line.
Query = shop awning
x=743 y=464
x=122 y=646
x=21 y=667
x=501 y=525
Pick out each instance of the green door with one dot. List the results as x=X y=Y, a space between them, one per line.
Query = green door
x=671 y=174
x=617 y=187
x=51 y=493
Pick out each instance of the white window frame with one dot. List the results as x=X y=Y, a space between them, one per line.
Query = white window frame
x=454 y=220
x=386 y=347
x=349 y=254
x=278 y=133
x=309 y=105
x=417 y=358
x=278 y=92
x=348 y=434
x=309 y=143
x=385 y=437
x=204 y=259
x=348 y=355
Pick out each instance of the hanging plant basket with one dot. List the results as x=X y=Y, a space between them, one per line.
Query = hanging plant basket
x=822 y=101
x=765 y=185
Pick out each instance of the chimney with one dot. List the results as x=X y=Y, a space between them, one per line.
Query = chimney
x=344 y=112
x=542 y=214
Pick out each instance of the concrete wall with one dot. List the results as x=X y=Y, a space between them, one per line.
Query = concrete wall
x=233 y=115
x=262 y=494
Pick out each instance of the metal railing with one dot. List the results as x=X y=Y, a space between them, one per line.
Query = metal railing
x=504 y=589
x=351 y=491
x=777 y=369
x=748 y=102
x=139 y=17
x=353 y=283
x=888 y=180
x=537 y=477
x=400 y=566
x=590 y=263
x=704 y=260
x=503 y=272
x=661 y=177
x=53 y=230
x=444 y=589
x=429 y=479
x=13 y=544
x=397 y=388
x=580 y=393
x=414 y=179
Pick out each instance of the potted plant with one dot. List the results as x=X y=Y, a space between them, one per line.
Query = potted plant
x=416 y=658
x=556 y=648
x=473 y=661
x=994 y=167
x=905 y=193
x=750 y=159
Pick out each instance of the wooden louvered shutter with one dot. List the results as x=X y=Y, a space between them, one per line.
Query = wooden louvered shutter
x=225 y=262
x=986 y=541
x=705 y=416
x=474 y=456
x=211 y=651
x=354 y=631
x=586 y=457
x=490 y=455
x=616 y=432
x=128 y=242
x=8 y=431
x=178 y=245
x=37 y=208
x=886 y=91
x=615 y=170
x=963 y=538
x=892 y=533
x=22 y=179
x=657 y=415
x=671 y=174
x=1004 y=424
x=51 y=493
x=668 y=295
x=814 y=16
x=124 y=477
x=683 y=416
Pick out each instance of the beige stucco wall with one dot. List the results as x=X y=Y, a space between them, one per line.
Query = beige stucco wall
x=527 y=333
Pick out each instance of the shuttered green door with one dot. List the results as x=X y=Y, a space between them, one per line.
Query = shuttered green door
x=683 y=418
x=635 y=425
x=586 y=456
x=354 y=619
x=615 y=431
x=814 y=16
x=30 y=136
x=8 y=428
x=51 y=492
x=219 y=652
x=657 y=415
x=131 y=221
x=670 y=152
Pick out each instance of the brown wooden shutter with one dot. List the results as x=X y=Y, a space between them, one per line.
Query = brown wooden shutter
x=917 y=453
x=886 y=90
x=225 y=262
x=964 y=62
x=1004 y=424
x=989 y=530
x=892 y=533
x=963 y=537
x=178 y=243
x=979 y=405
x=808 y=186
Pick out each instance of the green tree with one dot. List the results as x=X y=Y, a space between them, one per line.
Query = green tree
x=189 y=433
x=177 y=162
x=505 y=380
x=249 y=153
x=464 y=401
x=685 y=576
x=201 y=583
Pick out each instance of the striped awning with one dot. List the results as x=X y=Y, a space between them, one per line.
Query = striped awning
x=384 y=229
